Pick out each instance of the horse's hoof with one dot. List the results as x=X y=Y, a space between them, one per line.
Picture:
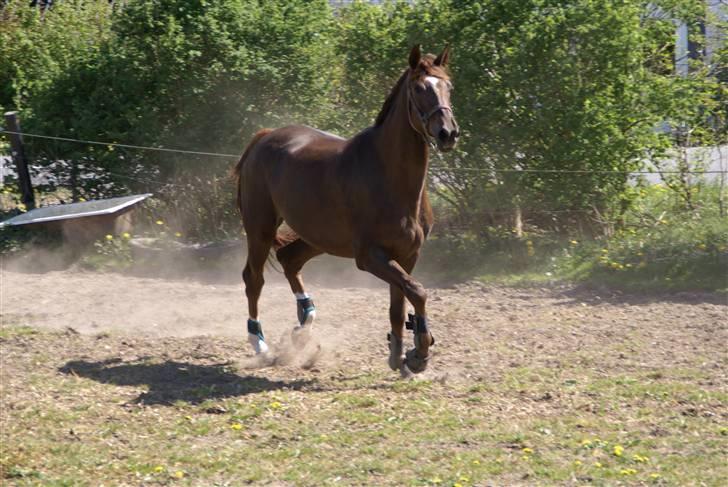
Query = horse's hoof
x=258 y=344
x=395 y=362
x=396 y=353
x=405 y=372
x=414 y=363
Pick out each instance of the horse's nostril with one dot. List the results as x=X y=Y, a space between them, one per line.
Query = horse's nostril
x=443 y=135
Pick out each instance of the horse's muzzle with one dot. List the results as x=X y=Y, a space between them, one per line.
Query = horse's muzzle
x=446 y=139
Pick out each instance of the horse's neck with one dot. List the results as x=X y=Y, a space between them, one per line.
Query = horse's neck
x=404 y=152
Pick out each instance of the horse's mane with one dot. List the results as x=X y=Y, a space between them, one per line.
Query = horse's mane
x=425 y=68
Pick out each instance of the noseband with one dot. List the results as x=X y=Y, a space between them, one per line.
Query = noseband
x=423 y=116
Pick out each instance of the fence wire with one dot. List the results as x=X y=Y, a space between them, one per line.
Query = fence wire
x=434 y=166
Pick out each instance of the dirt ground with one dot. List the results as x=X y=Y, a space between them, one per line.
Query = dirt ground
x=546 y=339
x=353 y=321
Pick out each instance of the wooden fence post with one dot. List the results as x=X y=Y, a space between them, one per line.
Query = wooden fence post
x=21 y=163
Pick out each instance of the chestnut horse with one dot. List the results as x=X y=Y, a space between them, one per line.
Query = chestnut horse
x=362 y=198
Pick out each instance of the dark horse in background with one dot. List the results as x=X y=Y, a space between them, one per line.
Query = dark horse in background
x=364 y=198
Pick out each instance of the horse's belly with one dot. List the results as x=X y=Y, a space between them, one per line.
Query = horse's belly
x=322 y=230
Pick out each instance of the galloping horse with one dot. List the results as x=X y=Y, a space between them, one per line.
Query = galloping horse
x=363 y=198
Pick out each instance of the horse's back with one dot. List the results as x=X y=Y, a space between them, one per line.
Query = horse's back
x=299 y=144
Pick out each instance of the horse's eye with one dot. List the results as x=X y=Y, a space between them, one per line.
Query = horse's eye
x=419 y=88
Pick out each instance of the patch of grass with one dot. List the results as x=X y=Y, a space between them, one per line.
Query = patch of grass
x=531 y=425
x=10 y=331
x=659 y=245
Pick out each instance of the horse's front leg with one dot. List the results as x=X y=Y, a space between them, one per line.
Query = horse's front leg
x=376 y=261
x=396 y=319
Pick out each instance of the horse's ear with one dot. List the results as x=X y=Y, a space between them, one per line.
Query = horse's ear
x=443 y=58
x=415 y=56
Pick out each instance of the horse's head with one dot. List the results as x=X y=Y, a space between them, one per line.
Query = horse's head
x=428 y=91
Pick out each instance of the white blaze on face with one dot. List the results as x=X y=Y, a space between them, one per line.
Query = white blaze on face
x=433 y=81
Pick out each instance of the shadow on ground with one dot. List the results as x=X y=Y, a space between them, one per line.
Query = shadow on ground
x=172 y=381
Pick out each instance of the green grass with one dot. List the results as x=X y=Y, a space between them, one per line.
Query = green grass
x=657 y=427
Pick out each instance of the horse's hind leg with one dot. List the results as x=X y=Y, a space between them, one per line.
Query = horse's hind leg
x=253 y=278
x=260 y=227
x=293 y=257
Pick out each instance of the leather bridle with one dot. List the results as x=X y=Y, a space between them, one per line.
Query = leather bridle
x=423 y=116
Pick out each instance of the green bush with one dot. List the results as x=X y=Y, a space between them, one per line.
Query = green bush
x=662 y=246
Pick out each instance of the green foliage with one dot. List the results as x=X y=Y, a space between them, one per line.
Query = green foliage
x=111 y=253
x=544 y=85
x=548 y=85
x=35 y=50
x=662 y=245
x=198 y=75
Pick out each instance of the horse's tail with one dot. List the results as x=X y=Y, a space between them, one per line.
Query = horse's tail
x=237 y=172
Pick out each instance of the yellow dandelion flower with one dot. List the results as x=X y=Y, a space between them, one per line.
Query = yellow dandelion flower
x=159 y=222
x=177 y=234
x=179 y=474
x=476 y=462
x=457 y=484
x=158 y=469
x=577 y=462
x=82 y=200
x=598 y=464
x=126 y=235
x=628 y=471
x=574 y=242
x=586 y=443
x=618 y=450
x=109 y=237
x=275 y=405
x=640 y=458
x=188 y=418
x=524 y=457
x=655 y=475
x=236 y=426
x=527 y=451
x=605 y=251
x=436 y=480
